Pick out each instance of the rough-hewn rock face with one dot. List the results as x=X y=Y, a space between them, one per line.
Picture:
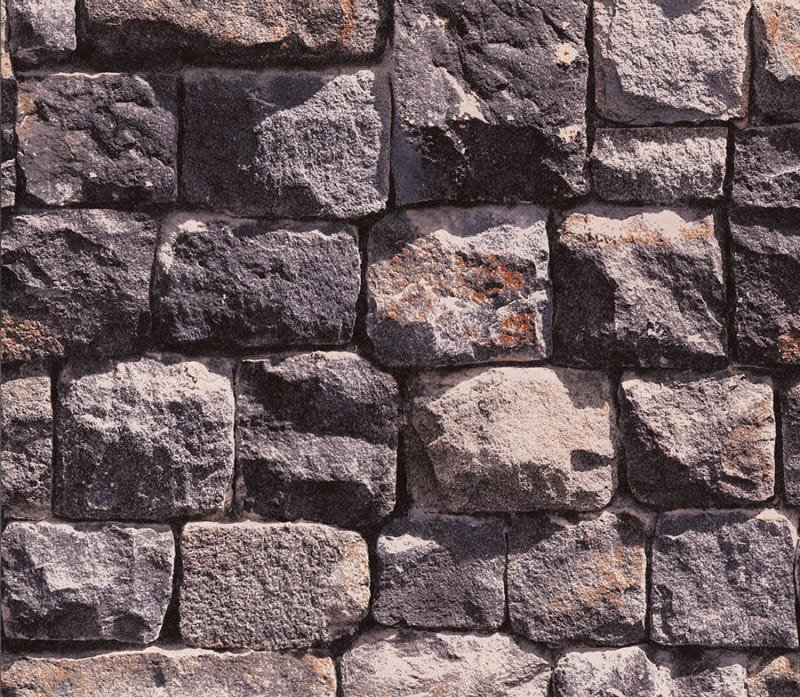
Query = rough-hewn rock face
x=86 y=581
x=8 y=184
x=97 y=139
x=317 y=438
x=777 y=58
x=578 y=582
x=144 y=440
x=663 y=61
x=723 y=579
x=698 y=440
x=450 y=286
x=41 y=29
x=276 y=586
x=767 y=167
x=300 y=144
x=406 y=663
x=489 y=100
x=639 y=286
x=223 y=282
x=511 y=439
x=441 y=571
x=790 y=429
x=774 y=677
x=76 y=282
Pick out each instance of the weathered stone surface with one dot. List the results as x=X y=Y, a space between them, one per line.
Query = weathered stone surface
x=407 y=663
x=86 y=581
x=160 y=672
x=511 y=439
x=698 y=439
x=227 y=282
x=790 y=433
x=659 y=165
x=767 y=167
x=643 y=671
x=106 y=138
x=489 y=100
x=582 y=581
x=76 y=282
x=723 y=578
x=766 y=264
x=8 y=184
x=441 y=571
x=27 y=452
x=317 y=438
x=41 y=30
x=8 y=83
x=297 y=144
x=664 y=61
x=276 y=586
x=450 y=286
x=777 y=58
x=774 y=676
x=146 y=439
x=639 y=286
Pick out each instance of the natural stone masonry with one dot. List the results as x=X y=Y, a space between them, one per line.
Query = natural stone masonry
x=511 y=439
x=790 y=429
x=223 y=282
x=723 y=578
x=441 y=571
x=8 y=184
x=450 y=286
x=298 y=144
x=86 y=581
x=639 y=286
x=774 y=677
x=578 y=582
x=274 y=586
x=767 y=167
x=145 y=440
x=698 y=440
x=489 y=100
x=777 y=58
x=317 y=438
x=406 y=663
x=41 y=30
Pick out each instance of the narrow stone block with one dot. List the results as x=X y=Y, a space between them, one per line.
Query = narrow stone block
x=790 y=436
x=776 y=25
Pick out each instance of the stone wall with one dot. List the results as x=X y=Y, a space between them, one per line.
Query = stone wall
x=449 y=349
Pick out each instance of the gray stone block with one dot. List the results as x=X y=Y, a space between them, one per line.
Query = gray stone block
x=767 y=167
x=41 y=30
x=776 y=26
x=790 y=438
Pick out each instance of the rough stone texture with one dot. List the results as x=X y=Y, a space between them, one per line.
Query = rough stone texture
x=8 y=184
x=76 y=282
x=301 y=144
x=664 y=61
x=774 y=676
x=97 y=139
x=41 y=30
x=639 y=286
x=582 y=581
x=511 y=439
x=276 y=586
x=317 y=438
x=160 y=672
x=450 y=286
x=767 y=167
x=698 y=440
x=723 y=578
x=642 y=671
x=790 y=431
x=226 y=282
x=441 y=571
x=489 y=100
x=86 y=581
x=149 y=439
x=27 y=446
x=659 y=165
x=777 y=58
x=8 y=84
x=766 y=264
x=407 y=663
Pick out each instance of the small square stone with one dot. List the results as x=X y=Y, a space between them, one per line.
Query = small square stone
x=41 y=31
x=766 y=167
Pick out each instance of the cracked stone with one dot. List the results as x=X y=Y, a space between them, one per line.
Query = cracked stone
x=41 y=30
x=790 y=427
x=777 y=58
x=767 y=167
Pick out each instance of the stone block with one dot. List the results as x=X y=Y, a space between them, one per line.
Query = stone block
x=776 y=26
x=41 y=30
x=766 y=167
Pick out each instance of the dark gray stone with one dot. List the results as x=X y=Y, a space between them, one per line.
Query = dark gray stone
x=790 y=432
x=489 y=100
x=41 y=30
x=766 y=167
x=317 y=438
x=8 y=83
x=776 y=25
x=777 y=676
x=226 y=282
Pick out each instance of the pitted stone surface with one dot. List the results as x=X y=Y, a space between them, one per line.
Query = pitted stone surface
x=511 y=439
x=144 y=440
x=298 y=144
x=723 y=578
x=407 y=663
x=86 y=581
x=441 y=571
x=698 y=439
x=767 y=167
x=451 y=286
x=639 y=286
x=317 y=438
x=41 y=30
x=774 y=676
x=228 y=282
x=489 y=100
x=777 y=58
x=790 y=430
x=273 y=586
x=583 y=581
x=8 y=184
